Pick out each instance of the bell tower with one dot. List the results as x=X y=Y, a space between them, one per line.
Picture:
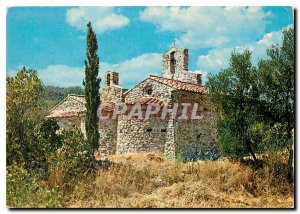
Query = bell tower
x=175 y=61
x=111 y=78
x=176 y=66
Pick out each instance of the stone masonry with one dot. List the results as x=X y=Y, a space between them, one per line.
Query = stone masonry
x=187 y=139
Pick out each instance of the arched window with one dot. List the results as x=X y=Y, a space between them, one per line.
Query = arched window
x=172 y=62
x=108 y=79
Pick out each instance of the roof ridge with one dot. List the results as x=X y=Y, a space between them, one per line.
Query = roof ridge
x=77 y=95
x=145 y=99
x=148 y=97
x=177 y=80
x=82 y=96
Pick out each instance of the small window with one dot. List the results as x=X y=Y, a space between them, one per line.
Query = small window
x=149 y=129
x=108 y=79
x=148 y=90
x=163 y=130
x=172 y=62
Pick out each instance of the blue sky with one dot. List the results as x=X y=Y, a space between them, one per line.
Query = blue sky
x=131 y=40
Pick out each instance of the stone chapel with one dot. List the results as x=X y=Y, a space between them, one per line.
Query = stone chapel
x=174 y=137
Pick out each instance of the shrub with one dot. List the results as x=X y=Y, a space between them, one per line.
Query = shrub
x=23 y=190
x=45 y=141
x=73 y=160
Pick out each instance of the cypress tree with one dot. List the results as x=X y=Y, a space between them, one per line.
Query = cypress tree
x=92 y=86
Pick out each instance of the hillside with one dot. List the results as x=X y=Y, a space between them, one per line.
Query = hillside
x=148 y=180
x=53 y=95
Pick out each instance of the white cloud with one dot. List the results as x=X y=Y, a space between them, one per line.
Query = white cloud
x=204 y=75
x=131 y=71
x=134 y=70
x=218 y=58
x=62 y=75
x=137 y=69
x=57 y=75
x=206 y=27
x=271 y=38
x=102 y=18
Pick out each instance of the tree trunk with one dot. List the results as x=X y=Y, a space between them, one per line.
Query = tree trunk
x=290 y=174
x=251 y=151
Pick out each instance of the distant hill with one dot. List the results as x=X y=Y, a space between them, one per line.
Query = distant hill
x=53 y=95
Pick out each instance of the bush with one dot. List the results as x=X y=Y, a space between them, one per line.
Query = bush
x=23 y=190
x=196 y=152
x=73 y=160
x=45 y=141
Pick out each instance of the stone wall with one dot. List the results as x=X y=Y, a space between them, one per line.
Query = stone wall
x=111 y=90
x=108 y=135
x=111 y=93
x=181 y=62
x=170 y=145
x=180 y=138
x=72 y=103
x=178 y=69
x=111 y=78
x=82 y=125
x=185 y=139
x=195 y=138
x=158 y=90
x=138 y=135
x=187 y=76
x=68 y=122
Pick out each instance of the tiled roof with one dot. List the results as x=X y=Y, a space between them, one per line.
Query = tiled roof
x=59 y=114
x=76 y=97
x=179 y=84
x=146 y=101
x=80 y=98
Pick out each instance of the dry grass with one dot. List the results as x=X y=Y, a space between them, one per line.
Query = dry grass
x=148 y=180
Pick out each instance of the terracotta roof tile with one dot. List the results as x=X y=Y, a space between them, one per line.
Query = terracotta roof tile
x=79 y=98
x=59 y=114
x=146 y=101
x=179 y=84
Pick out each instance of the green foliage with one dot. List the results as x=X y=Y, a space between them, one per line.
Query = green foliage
x=53 y=95
x=256 y=105
x=30 y=139
x=194 y=152
x=73 y=158
x=42 y=145
x=92 y=86
x=25 y=191
x=22 y=107
x=277 y=82
x=59 y=93
x=235 y=89
x=271 y=138
x=277 y=88
x=47 y=131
